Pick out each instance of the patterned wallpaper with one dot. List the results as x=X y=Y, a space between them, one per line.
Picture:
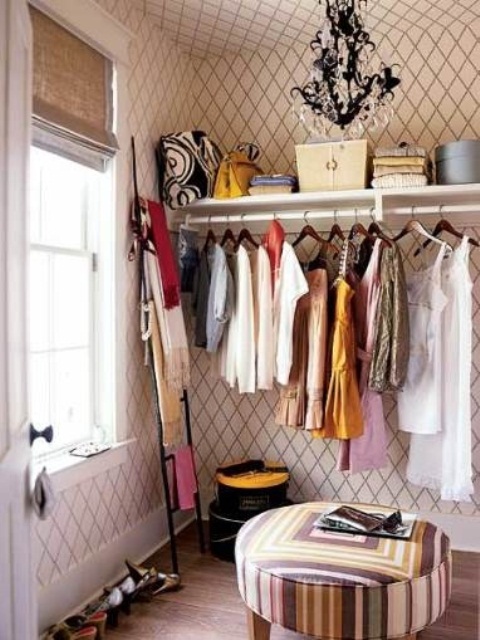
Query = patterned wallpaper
x=206 y=28
x=88 y=516
x=245 y=97
x=230 y=426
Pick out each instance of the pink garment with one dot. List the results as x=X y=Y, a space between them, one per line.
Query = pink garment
x=273 y=242
x=369 y=451
x=185 y=479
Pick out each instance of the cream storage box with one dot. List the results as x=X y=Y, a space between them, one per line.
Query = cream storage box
x=333 y=166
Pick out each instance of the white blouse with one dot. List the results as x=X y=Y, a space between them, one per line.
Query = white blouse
x=264 y=321
x=244 y=324
x=291 y=286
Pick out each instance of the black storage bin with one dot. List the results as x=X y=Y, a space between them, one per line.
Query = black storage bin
x=224 y=528
x=243 y=490
x=223 y=532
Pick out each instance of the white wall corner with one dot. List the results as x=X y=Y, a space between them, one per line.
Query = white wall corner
x=463 y=531
x=77 y=587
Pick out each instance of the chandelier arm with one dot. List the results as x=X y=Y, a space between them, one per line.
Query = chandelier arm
x=339 y=87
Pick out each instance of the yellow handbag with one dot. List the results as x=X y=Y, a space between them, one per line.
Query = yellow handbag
x=234 y=174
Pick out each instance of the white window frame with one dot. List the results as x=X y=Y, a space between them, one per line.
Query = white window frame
x=98 y=231
x=93 y=24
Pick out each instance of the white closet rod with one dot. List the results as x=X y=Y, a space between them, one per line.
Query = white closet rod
x=433 y=209
x=337 y=213
x=281 y=215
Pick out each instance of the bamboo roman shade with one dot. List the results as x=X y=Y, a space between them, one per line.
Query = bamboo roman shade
x=72 y=94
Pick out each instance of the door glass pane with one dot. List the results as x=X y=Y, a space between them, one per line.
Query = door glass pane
x=71 y=301
x=71 y=393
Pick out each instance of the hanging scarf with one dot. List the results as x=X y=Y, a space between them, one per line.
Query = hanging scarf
x=172 y=331
x=166 y=260
x=168 y=400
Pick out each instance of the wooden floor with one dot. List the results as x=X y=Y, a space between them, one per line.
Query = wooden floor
x=209 y=607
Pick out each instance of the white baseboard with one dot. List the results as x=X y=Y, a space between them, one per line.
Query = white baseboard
x=83 y=583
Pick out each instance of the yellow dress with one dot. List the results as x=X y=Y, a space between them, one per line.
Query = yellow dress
x=343 y=411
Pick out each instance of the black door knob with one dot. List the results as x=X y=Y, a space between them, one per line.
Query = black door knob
x=47 y=433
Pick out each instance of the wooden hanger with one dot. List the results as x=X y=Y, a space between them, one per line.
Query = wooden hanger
x=307 y=232
x=415 y=225
x=228 y=236
x=375 y=229
x=246 y=235
x=210 y=238
x=445 y=225
x=336 y=232
x=357 y=229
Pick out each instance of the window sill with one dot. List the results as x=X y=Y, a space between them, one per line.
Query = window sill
x=66 y=470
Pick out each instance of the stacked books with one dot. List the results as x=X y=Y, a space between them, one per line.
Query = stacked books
x=402 y=166
x=269 y=184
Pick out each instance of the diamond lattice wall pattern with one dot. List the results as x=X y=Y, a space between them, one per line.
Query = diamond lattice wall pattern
x=90 y=515
x=247 y=96
x=244 y=95
x=232 y=26
x=230 y=426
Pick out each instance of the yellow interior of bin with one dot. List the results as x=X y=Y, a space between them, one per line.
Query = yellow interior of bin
x=253 y=480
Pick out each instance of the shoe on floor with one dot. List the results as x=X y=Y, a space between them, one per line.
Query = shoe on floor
x=166 y=582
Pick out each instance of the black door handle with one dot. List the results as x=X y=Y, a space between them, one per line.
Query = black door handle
x=47 y=433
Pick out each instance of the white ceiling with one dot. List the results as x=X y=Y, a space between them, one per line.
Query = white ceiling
x=217 y=27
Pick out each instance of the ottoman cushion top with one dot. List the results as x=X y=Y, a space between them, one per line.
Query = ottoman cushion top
x=284 y=543
x=336 y=585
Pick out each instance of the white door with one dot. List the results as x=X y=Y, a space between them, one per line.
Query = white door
x=17 y=582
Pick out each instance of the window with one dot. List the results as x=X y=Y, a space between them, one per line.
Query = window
x=78 y=275
x=69 y=301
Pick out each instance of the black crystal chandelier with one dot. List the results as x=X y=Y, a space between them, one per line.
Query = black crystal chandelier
x=343 y=88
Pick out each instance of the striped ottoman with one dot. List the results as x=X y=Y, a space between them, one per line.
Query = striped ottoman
x=340 y=586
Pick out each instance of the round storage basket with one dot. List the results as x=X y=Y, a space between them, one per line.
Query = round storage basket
x=252 y=492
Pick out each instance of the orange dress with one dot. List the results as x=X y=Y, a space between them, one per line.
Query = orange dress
x=343 y=410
